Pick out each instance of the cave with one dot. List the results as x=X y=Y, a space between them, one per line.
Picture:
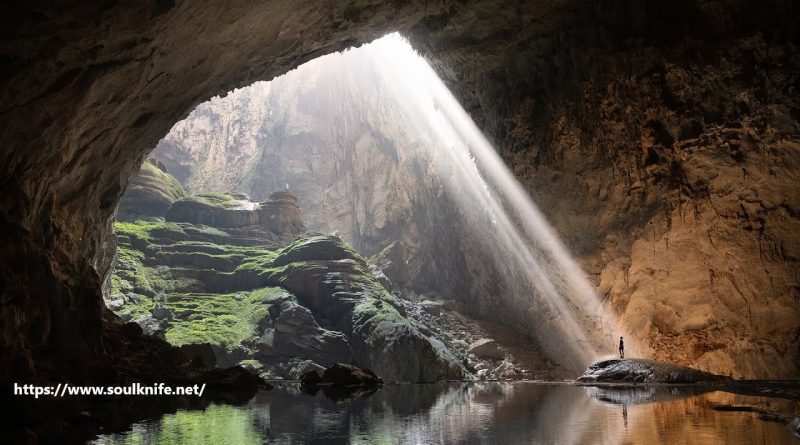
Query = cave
x=660 y=143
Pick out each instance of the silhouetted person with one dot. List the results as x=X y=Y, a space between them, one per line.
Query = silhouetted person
x=621 y=348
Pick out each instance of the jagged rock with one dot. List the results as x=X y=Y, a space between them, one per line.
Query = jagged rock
x=393 y=261
x=341 y=374
x=226 y=210
x=300 y=368
x=506 y=371
x=381 y=277
x=152 y=326
x=150 y=193
x=334 y=281
x=486 y=348
x=297 y=334
x=645 y=371
x=281 y=214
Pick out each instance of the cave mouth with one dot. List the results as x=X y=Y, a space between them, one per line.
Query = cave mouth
x=362 y=156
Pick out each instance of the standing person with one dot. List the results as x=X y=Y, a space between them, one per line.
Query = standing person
x=621 y=348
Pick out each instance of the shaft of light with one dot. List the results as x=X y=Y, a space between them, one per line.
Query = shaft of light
x=570 y=320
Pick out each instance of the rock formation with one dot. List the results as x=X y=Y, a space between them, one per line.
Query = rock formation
x=645 y=371
x=151 y=192
x=213 y=274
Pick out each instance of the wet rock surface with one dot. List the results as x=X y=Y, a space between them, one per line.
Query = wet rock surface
x=646 y=371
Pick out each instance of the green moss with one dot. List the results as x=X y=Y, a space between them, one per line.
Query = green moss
x=226 y=320
x=157 y=181
x=223 y=200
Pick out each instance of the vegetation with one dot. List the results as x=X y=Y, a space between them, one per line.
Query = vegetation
x=225 y=320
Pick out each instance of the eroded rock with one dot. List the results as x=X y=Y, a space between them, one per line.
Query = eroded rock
x=645 y=371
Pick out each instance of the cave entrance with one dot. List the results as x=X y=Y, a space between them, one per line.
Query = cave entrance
x=320 y=216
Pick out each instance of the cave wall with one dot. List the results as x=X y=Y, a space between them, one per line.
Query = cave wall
x=575 y=94
x=661 y=141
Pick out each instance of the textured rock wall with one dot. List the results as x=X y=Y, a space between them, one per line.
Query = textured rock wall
x=88 y=88
x=665 y=153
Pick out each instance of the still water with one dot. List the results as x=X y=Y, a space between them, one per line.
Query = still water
x=474 y=413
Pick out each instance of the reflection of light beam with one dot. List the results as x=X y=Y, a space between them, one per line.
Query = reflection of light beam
x=566 y=315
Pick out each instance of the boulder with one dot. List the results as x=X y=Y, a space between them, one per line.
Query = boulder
x=152 y=326
x=299 y=368
x=341 y=374
x=487 y=348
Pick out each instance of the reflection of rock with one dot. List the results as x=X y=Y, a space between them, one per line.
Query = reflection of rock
x=642 y=394
x=486 y=348
x=644 y=371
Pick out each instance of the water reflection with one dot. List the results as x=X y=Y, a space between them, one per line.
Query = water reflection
x=474 y=413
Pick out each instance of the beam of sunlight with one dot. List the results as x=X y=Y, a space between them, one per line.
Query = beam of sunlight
x=562 y=309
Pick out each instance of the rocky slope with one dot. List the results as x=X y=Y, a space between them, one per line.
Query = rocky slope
x=212 y=274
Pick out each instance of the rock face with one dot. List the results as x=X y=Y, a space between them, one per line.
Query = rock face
x=150 y=193
x=645 y=371
x=296 y=333
x=281 y=214
x=586 y=102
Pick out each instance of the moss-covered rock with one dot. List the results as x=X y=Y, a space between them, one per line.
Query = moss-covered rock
x=150 y=193
x=315 y=299
x=215 y=209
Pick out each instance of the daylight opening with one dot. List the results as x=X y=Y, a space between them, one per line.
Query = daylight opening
x=350 y=211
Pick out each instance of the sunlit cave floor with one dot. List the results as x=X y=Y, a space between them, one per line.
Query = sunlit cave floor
x=477 y=412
